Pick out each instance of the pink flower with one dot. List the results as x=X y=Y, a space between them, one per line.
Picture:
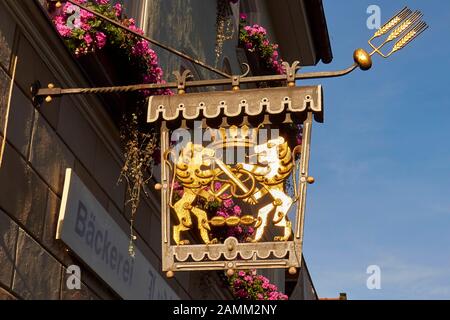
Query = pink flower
x=222 y=213
x=118 y=9
x=88 y=33
x=69 y=8
x=64 y=30
x=217 y=186
x=135 y=29
x=251 y=286
x=85 y=26
x=272 y=287
x=241 y=293
x=176 y=185
x=101 y=39
x=88 y=39
x=140 y=48
x=85 y=15
x=237 y=210
x=228 y=203
x=243 y=16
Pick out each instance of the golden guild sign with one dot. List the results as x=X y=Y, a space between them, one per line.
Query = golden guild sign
x=234 y=164
x=234 y=175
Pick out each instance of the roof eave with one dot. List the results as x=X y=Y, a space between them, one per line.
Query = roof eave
x=301 y=30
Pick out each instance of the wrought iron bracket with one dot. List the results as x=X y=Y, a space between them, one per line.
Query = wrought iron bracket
x=405 y=25
x=181 y=84
x=182 y=79
x=291 y=71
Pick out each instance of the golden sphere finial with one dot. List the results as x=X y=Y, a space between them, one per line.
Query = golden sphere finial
x=170 y=274
x=292 y=270
x=363 y=59
x=230 y=272
x=310 y=180
x=158 y=186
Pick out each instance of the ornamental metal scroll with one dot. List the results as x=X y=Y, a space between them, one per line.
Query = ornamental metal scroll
x=234 y=177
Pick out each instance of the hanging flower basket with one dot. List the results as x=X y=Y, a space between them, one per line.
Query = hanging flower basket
x=248 y=285
x=262 y=55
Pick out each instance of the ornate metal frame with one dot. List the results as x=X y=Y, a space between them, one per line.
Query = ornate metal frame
x=287 y=102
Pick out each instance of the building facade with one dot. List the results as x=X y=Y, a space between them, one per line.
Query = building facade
x=78 y=132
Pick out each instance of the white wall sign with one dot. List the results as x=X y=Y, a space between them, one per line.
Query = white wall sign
x=89 y=231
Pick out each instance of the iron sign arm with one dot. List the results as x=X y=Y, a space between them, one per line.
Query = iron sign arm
x=52 y=91
x=404 y=27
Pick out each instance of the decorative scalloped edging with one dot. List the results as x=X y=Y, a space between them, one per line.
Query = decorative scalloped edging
x=244 y=102
x=230 y=250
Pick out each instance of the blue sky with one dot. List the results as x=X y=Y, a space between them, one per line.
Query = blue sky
x=382 y=162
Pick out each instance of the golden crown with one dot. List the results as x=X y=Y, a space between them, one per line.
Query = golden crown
x=234 y=136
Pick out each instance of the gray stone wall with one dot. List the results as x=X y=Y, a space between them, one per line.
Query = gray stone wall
x=190 y=26
x=41 y=143
x=31 y=179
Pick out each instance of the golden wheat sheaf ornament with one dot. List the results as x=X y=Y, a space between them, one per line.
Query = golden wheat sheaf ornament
x=404 y=27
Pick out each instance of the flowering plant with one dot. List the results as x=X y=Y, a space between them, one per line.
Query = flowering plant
x=254 y=39
x=248 y=285
x=84 y=33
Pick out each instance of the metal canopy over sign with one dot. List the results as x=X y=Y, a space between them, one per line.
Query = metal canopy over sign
x=254 y=102
x=236 y=146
